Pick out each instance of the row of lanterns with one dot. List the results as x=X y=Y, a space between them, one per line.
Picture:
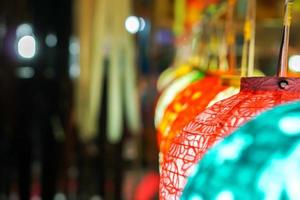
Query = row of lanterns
x=197 y=109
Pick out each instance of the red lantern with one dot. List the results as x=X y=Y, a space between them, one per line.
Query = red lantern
x=185 y=107
x=216 y=122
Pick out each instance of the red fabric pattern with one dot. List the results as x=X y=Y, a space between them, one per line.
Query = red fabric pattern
x=186 y=106
x=218 y=121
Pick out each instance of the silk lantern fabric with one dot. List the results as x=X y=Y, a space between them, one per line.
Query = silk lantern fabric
x=218 y=121
x=259 y=161
x=170 y=93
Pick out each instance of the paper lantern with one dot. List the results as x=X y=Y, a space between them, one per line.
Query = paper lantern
x=228 y=92
x=184 y=107
x=170 y=93
x=171 y=74
x=259 y=161
x=187 y=105
x=218 y=121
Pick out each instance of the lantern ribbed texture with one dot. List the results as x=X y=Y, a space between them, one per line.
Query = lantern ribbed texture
x=218 y=121
x=258 y=161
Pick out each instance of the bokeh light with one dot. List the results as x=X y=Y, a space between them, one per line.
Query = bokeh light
x=132 y=24
x=27 y=47
x=294 y=63
x=51 y=40
x=24 y=29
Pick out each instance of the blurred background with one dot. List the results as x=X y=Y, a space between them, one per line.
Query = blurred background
x=78 y=90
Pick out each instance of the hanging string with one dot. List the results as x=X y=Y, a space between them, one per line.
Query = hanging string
x=251 y=60
x=230 y=34
x=247 y=67
x=283 y=55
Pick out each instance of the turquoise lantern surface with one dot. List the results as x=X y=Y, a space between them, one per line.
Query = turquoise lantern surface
x=260 y=161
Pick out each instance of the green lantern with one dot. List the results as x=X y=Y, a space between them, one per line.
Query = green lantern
x=259 y=161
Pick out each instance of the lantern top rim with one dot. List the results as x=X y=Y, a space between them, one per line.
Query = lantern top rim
x=283 y=84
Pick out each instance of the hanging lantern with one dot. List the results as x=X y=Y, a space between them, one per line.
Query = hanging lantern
x=216 y=122
x=224 y=94
x=221 y=119
x=170 y=93
x=171 y=74
x=259 y=161
x=187 y=105
x=194 y=97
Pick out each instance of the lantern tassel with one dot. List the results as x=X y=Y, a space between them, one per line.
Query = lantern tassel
x=283 y=55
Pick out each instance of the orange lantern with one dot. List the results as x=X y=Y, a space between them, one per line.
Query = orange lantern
x=186 y=106
x=216 y=122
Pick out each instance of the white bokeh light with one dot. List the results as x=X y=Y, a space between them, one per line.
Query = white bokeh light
x=74 y=70
x=132 y=24
x=294 y=63
x=25 y=72
x=24 y=29
x=27 y=47
x=51 y=40
x=74 y=46
x=142 y=24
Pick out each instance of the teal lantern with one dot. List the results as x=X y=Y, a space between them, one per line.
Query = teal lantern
x=261 y=160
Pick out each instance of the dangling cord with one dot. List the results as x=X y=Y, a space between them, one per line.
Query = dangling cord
x=230 y=34
x=213 y=47
x=251 y=60
x=283 y=55
x=197 y=35
x=247 y=67
x=223 y=49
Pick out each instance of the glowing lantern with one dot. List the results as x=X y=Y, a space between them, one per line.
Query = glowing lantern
x=170 y=93
x=259 y=161
x=228 y=92
x=171 y=74
x=218 y=121
x=187 y=105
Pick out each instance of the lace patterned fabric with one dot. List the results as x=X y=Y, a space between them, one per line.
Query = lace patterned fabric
x=259 y=161
x=185 y=107
x=218 y=121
